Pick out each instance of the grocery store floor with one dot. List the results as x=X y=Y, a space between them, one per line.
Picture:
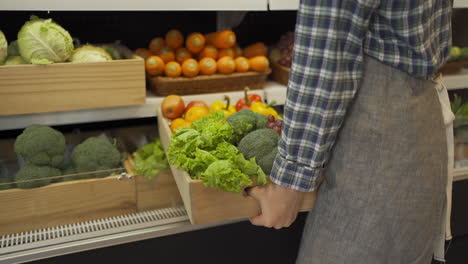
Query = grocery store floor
x=235 y=243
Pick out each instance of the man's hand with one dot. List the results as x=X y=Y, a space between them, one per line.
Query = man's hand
x=279 y=205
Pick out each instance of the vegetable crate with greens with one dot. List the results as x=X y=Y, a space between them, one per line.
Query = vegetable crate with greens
x=215 y=158
x=43 y=71
x=155 y=185
x=55 y=183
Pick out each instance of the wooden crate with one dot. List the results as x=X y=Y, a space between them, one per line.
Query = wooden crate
x=64 y=203
x=156 y=193
x=27 y=89
x=280 y=73
x=216 y=83
x=207 y=205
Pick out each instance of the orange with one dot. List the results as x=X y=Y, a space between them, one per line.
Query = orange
x=242 y=64
x=208 y=66
x=226 y=65
x=154 y=65
x=182 y=54
x=237 y=51
x=174 y=39
x=179 y=123
x=222 y=39
x=226 y=52
x=173 y=69
x=142 y=52
x=259 y=63
x=257 y=49
x=195 y=42
x=209 y=51
x=156 y=44
x=195 y=113
x=190 y=68
x=166 y=54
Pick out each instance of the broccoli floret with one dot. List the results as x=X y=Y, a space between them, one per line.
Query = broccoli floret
x=242 y=123
x=40 y=175
x=261 y=144
x=262 y=120
x=95 y=154
x=41 y=146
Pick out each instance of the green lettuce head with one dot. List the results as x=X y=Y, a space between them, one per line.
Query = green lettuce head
x=3 y=47
x=90 y=53
x=41 y=41
x=13 y=48
x=15 y=60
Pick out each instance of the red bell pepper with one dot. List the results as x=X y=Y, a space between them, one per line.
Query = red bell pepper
x=248 y=100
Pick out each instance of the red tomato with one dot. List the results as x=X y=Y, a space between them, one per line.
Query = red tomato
x=195 y=103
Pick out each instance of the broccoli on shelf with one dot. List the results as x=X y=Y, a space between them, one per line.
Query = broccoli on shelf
x=242 y=123
x=39 y=176
x=94 y=154
x=41 y=146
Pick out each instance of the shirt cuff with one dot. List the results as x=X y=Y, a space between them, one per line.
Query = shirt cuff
x=294 y=175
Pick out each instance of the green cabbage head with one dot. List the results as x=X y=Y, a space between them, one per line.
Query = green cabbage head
x=90 y=53
x=3 y=48
x=15 y=60
x=42 y=41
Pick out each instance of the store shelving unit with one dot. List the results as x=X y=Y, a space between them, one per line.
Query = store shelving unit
x=108 y=114
x=134 y=5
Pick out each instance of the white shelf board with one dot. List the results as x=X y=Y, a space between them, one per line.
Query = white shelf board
x=294 y=4
x=456 y=81
x=460 y=4
x=107 y=114
x=283 y=4
x=460 y=174
x=275 y=92
x=146 y=5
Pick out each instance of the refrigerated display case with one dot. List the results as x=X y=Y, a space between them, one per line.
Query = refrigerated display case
x=129 y=213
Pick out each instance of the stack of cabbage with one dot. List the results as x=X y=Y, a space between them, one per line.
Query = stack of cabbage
x=42 y=41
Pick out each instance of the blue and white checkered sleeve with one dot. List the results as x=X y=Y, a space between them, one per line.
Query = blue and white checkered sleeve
x=325 y=75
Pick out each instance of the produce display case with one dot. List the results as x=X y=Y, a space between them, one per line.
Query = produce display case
x=206 y=205
x=72 y=86
x=67 y=200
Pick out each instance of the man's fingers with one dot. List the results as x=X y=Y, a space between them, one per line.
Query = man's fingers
x=254 y=192
x=258 y=220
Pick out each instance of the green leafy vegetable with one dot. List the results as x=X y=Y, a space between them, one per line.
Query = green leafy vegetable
x=205 y=152
x=150 y=159
x=90 y=53
x=13 y=48
x=41 y=41
x=3 y=47
x=15 y=60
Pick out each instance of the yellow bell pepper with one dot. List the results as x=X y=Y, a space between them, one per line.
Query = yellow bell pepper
x=264 y=109
x=225 y=107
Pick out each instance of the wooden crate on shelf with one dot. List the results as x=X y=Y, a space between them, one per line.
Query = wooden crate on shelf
x=216 y=83
x=207 y=205
x=280 y=73
x=63 y=203
x=28 y=89
x=160 y=192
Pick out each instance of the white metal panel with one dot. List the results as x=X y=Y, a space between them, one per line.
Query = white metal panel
x=283 y=4
x=107 y=114
x=294 y=4
x=112 y=5
x=460 y=4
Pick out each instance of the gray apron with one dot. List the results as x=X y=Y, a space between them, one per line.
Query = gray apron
x=384 y=191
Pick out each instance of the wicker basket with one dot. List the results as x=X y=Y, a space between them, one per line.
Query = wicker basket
x=280 y=73
x=453 y=67
x=216 y=83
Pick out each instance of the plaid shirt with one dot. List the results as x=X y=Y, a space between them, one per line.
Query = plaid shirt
x=330 y=40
